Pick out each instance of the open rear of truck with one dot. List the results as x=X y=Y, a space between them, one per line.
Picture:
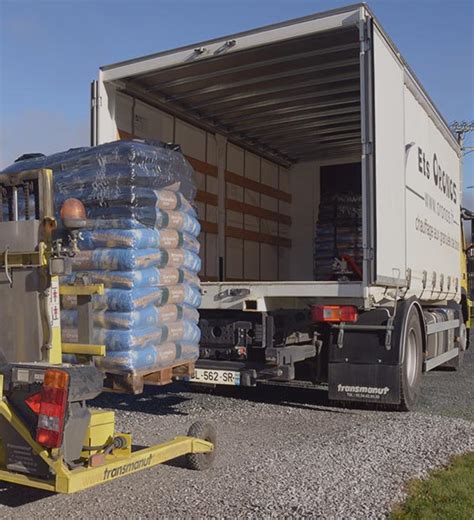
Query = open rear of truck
x=305 y=137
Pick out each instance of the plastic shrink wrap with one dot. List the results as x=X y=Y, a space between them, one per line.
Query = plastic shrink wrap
x=141 y=243
x=338 y=236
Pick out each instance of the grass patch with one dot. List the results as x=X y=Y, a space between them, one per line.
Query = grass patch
x=446 y=494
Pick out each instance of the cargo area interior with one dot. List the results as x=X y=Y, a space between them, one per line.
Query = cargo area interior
x=291 y=114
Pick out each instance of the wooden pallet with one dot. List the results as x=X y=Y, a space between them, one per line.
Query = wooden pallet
x=134 y=382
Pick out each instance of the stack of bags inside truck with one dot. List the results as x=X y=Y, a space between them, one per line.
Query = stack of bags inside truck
x=339 y=236
x=141 y=244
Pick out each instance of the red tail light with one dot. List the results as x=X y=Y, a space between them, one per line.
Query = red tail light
x=52 y=408
x=333 y=313
x=34 y=402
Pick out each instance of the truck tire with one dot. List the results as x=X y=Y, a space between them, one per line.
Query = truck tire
x=411 y=366
x=207 y=432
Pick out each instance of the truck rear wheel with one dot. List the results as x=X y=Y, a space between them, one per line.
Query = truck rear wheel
x=410 y=368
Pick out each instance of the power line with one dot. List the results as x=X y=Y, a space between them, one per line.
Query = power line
x=462 y=127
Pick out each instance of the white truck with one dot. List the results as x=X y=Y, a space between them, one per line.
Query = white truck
x=329 y=190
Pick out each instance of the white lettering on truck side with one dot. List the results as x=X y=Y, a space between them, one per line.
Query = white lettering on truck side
x=440 y=178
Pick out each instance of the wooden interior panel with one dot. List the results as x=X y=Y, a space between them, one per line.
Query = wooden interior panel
x=251 y=260
x=257 y=202
x=256 y=186
x=234 y=258
x=268 y=262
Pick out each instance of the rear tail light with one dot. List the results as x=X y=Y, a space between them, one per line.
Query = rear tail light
x=333 y=313
x=34 y=402
x=52 y=408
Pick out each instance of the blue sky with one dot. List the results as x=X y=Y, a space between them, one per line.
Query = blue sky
x=51 y=50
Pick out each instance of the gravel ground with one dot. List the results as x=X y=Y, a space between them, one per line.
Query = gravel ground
x=285 y=454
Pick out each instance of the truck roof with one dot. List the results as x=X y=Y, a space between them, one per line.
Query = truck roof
x=261 y=36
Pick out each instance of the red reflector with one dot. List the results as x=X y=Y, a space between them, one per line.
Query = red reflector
x=333 y=313
x=48 y=438
x=34 y=402
x=52 y=408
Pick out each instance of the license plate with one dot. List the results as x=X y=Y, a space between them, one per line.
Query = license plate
x=216 y=377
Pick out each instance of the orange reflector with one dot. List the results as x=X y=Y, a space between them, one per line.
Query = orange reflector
x=56 y=379
x=73 y=209
x=333 y=313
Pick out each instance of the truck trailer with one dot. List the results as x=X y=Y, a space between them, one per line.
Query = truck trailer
x=329 y=199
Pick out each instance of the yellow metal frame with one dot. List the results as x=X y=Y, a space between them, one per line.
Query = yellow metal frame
x=82 y=348
x=119 y=463
x=98 y=467
x=29 y=259
x=81 y=290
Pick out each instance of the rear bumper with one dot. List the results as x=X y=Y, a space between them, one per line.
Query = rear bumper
x=250 y=373
x=347 y=381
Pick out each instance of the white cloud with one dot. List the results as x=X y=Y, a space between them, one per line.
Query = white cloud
x=40 y=131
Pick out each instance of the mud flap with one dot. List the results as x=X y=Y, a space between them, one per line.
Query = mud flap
x=364 y=367
x=362 y=382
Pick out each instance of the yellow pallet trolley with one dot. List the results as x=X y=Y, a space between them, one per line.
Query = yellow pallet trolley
x=49 y=438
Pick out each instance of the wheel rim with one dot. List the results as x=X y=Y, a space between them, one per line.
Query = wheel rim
x=412 y=359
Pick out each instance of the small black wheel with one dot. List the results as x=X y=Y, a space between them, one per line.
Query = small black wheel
x=207 y=432
x=410 y=369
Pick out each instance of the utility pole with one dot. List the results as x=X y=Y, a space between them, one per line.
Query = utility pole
x=461 y=128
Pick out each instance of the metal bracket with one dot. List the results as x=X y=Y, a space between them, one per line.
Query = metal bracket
x=367 y=148
x=391 y=319
x=237 y=293
x=364 y=37
x=388 y=334
x=7 y=271
x=408 y=278
x=340 y=336
x=368 y=253
x=388 y=328
x=341 y=327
